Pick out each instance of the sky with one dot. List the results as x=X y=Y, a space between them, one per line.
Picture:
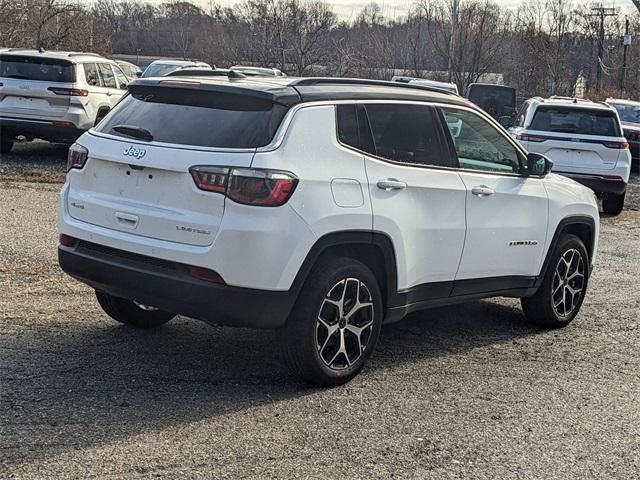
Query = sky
x=349 y=9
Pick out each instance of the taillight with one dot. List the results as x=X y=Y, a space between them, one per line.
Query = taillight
x=530 y=138
x=71 y=92
x=77 y=156
x=211 y=179
x=618 y=145
x=264 y=188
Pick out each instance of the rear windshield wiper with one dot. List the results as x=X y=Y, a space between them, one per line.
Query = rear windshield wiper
x=134 y=132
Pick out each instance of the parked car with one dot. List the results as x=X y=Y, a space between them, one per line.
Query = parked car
x=629 y=113
x=161 y=68
x=584 y=140
x=499 y=101
x=55 y=96
x=321 y=208
x=258 y=71
x=130 y=70
x=448 y=87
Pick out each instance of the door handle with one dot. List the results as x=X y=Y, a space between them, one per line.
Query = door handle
x=482 y=191
x=391 y=184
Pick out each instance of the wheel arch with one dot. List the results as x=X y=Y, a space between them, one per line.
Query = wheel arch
x=374 y=249
x=582 y=226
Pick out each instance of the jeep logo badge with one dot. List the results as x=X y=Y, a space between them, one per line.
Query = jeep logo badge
x=135 y=152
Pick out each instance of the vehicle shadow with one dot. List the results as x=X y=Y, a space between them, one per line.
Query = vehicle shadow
x=85 y=383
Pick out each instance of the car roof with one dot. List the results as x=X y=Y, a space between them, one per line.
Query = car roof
x=623 y=101
x=292 y=90
x=577 y=103
x=177 y=62
x=74 y=57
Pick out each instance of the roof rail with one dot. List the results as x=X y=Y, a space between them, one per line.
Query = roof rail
x=311 y=81
x=82 y=54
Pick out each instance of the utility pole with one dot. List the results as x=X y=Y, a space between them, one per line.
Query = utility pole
x=452 y=40
x=626 y=41
x=602 y=12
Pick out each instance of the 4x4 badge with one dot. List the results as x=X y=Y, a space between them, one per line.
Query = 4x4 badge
x=135 y=152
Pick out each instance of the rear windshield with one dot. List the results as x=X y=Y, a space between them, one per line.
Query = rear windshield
x=485 y=95
x=192 y=117
x=628 y=113
x=160 y=70
x=582 y=121
x=37 y=68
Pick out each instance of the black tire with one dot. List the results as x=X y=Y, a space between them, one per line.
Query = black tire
x=612 y=203
x=300 y=338
x=6 y=145
x=127 y=312
x=540 y=308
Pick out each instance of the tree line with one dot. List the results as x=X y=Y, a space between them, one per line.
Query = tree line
x=540 y=47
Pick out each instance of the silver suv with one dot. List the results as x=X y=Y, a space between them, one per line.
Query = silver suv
x=55 y=96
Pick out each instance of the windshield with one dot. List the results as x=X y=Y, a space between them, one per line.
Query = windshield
x=194 y=117
x=582 y=121
x=628 y=113
x=37 y=68
x=160 y=69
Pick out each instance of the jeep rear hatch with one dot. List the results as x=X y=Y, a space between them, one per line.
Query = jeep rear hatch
x=32 y=86
x=137 y=177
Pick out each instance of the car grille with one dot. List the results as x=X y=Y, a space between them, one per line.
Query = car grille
x=107 y=253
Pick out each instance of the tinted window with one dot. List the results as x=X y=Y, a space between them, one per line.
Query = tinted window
x=36 y=68
x=479 y=145
x=122 y=78
x=91 y=74
x=407 y=134
x=582 y=121
x=494 y=99
x=108 y=79
x=192 y=117
x=348 y=125
x=628 y=113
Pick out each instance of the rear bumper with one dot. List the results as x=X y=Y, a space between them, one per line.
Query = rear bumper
x=168 y=286
x=597 y=183
x=54 y=131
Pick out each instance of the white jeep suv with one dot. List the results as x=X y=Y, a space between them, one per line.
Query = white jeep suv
x=322 y=208
x=55 y=96
x=583 y=139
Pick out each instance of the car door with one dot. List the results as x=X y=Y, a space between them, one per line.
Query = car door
x=417 y=197
x=110 y=85
x=506 y=210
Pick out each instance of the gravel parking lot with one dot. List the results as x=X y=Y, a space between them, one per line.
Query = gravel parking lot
x=470 y=391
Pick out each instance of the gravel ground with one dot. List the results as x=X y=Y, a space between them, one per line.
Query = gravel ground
x=470 y=391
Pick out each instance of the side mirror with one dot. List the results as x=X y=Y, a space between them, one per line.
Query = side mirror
x=538 y=165
x=506 y=121
x=138 y=74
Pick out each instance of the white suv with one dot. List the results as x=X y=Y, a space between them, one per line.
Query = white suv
x=55 y=96
x=584 y=140
x=322 y=208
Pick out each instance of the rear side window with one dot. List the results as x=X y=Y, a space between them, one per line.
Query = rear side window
x=582 y=121
x=37 y=68
x=348 y=126
x=195 y=117
x=91 y=74
x=107 y=75
x=407 y=134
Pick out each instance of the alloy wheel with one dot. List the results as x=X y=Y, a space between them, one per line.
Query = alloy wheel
x=344 y=324
x=568 y=283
